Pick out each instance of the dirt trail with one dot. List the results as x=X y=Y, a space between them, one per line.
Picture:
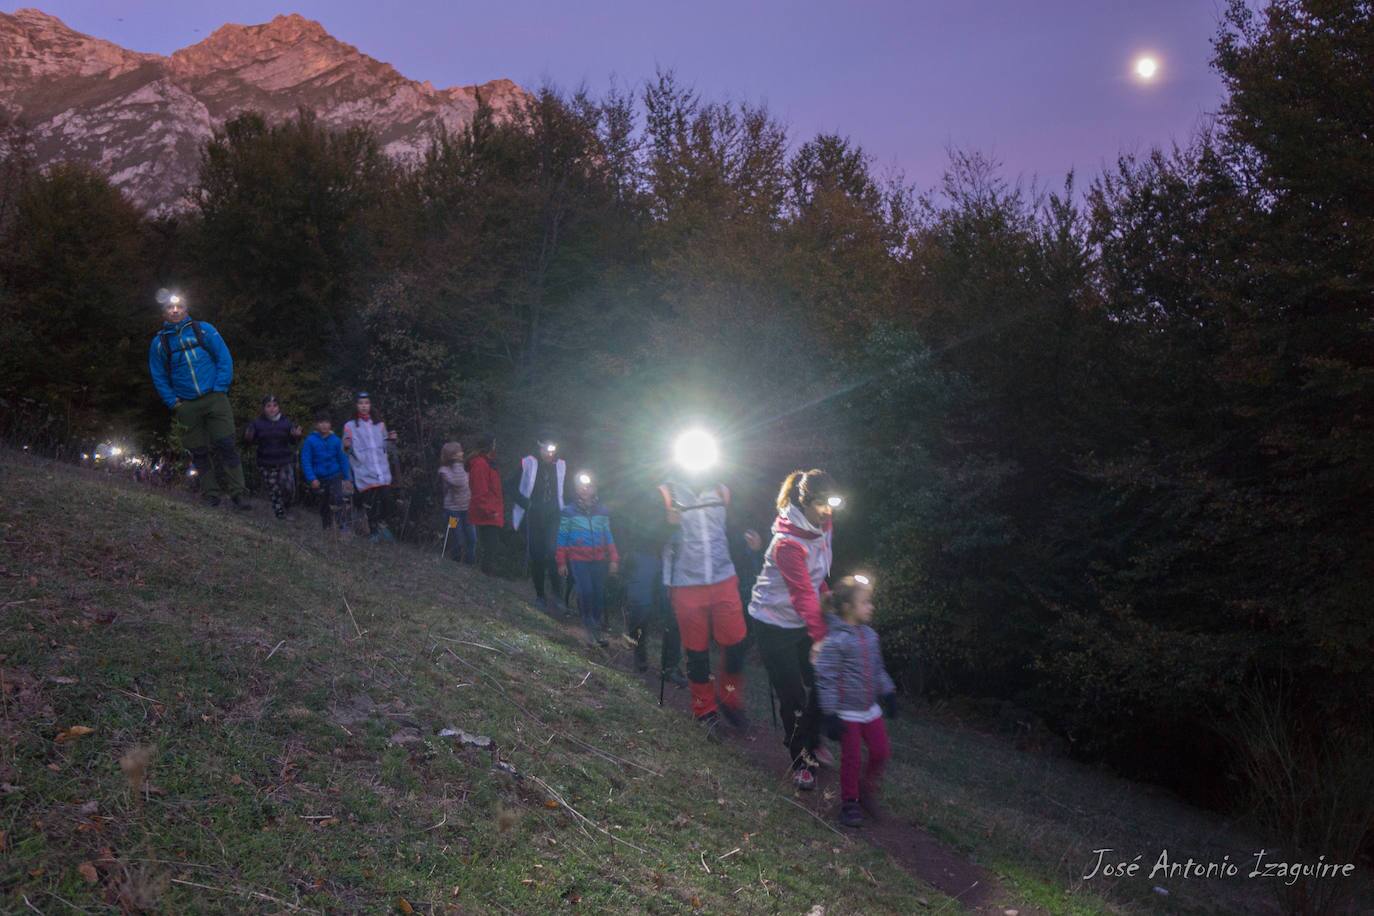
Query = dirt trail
x=911 y=847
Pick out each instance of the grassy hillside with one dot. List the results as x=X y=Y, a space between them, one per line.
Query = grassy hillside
x=295 y=763
x=265 y=703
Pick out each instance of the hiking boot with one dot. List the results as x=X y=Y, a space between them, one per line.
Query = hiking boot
x=603 y=642
x=823 y=756
x=641 y=658
x=710 y=723
x=851 y=814
x=736 y=717
x=803 y=779
x=241 y=503
x=675 y=677
x=211 y=501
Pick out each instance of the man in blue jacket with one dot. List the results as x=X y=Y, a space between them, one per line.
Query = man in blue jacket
x=191 y=370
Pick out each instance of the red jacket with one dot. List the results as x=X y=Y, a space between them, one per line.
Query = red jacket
x=487 y=507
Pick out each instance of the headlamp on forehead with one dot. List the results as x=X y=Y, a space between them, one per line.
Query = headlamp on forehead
x=696 y=450
x=864 y=581
x=834 y=502
x=550 y=448
x=584 y=479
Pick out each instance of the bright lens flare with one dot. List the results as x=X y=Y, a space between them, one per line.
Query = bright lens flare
x=835 y=502
x=550 y=448
x=1146 y=67
x=863 y=580
x=695 y=450
x=584 y=479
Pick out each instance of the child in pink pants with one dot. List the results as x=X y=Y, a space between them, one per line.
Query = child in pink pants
x=855 y=690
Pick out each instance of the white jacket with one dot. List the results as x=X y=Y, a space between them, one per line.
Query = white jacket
x=365 y=442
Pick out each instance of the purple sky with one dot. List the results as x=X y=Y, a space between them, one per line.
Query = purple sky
x=1044 y=86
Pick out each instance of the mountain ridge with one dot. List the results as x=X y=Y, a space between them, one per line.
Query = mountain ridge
x=142 y=118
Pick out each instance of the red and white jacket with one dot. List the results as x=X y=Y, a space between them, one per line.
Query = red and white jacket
x=789 y=589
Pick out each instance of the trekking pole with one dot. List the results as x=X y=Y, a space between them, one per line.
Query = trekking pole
x=662 y=679
x=452 y=523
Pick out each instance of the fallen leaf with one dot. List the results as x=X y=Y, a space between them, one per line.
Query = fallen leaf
x=696 y=903
x=71 y=734
x=35 y=872
x=456 y=890
x=550 y=803
x=327 y=822
x=88 y=872
x=236 y=780
x=89 y=808
x=403 y=905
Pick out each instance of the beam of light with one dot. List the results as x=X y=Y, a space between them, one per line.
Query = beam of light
x=907 y=364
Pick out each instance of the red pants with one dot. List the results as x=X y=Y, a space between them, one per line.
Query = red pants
x=704 y=612
x=874 y=735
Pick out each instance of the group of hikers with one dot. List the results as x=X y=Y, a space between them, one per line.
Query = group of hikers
x=678 y=557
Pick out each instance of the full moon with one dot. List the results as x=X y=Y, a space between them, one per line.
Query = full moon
x=1146 y=68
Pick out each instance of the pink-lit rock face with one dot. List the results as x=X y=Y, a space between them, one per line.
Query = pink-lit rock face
x=141 y=118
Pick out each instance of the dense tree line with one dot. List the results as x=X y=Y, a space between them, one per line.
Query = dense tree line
x=1109 y=447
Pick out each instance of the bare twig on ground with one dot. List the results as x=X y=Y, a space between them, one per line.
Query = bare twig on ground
x=240 y=891
x=464 y=642
x=274 y=651
x=351 y=617
x=605 y=755
x=583 y=818
x=819 y=819
x=946 y=904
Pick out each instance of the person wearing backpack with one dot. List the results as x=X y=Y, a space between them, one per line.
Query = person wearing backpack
x=275 y=437
x=192 y=370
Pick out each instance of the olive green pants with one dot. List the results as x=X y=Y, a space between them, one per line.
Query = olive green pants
x=207 y=431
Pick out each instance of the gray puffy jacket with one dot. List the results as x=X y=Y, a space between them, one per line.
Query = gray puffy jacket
x=849 y=669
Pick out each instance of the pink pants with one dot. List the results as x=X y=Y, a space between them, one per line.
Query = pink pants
x=874 y=735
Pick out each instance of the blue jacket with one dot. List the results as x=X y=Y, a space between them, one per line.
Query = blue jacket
x=196 y=370
x=850 y=675
x=323 y=458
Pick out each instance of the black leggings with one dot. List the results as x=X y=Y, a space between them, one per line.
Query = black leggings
x=488 y=542
x=786 y=655
x=376 y=502
x=541 y=540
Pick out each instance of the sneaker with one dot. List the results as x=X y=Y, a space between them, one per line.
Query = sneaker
x=804 y=779
x=851 y=815
x=823 y=756
x=211 y=501
x=241 y=503
x=736 y=717
x=675 y=677
x=603 y=642
x=710 y=723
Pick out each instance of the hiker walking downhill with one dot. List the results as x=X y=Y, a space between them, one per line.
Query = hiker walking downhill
x=587 y=551
x=855 y=693
x=786 y=607
x=486 y=507
x=539 y=505
x=369 y=445
x=698 y=570
x=275 y=437
x=192 y=370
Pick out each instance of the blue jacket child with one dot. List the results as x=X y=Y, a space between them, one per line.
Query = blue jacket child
x=323 y=458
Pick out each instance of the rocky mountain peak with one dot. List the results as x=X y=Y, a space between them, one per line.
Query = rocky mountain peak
x=142 y=118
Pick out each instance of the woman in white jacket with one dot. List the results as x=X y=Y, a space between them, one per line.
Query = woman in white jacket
x=369 y=444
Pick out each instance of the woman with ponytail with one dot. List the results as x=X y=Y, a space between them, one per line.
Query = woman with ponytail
x=786 y=607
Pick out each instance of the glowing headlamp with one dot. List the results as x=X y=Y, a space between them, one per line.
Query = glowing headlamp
x=864 y=581
x=696 y=450
x=834 y=502
x=116 y=451
x=550 y=448
x=584 y=479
